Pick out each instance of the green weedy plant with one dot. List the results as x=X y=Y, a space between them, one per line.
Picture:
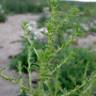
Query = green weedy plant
x=63 y=69
x=2 y=14
x=29 y=43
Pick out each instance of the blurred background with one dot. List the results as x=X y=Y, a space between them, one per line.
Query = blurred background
x=37 y=13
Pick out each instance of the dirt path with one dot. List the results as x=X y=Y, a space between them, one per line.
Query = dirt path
x=10 y=36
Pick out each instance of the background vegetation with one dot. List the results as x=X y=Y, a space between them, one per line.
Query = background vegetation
x=23 y=6
x=2 y=14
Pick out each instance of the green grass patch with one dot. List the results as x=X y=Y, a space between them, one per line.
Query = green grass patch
x=23 y=6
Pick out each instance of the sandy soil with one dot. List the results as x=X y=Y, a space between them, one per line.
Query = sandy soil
x=10 y=45
x=88 y=42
